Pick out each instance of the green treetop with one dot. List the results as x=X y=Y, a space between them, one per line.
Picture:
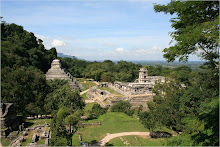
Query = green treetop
x=196 y=29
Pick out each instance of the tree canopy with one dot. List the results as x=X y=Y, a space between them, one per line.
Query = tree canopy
x=188 y=101
x=196 y=29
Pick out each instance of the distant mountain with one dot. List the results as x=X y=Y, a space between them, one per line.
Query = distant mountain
x=67 y=56
x=63 y=55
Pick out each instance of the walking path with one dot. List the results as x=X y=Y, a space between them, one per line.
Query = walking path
x=111 y=136
x=81 y=93
x=89 y=101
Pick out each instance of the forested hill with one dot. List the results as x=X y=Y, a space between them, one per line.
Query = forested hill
x=21 y=48
x=24 y=60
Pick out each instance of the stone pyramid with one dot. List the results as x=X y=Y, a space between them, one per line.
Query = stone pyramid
x=57 y=72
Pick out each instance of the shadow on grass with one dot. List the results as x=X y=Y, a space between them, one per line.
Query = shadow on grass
x=28 y=124
x=93 y=142
x=109 y=144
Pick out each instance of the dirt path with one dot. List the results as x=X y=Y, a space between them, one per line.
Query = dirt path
x=111 y=136
x=89 y=101
x=81 y=93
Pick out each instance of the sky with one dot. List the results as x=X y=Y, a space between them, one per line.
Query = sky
x=95 y=29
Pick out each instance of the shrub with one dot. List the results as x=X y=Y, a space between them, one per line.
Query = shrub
x=123 y=106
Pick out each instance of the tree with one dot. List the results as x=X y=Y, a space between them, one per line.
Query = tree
x=21 y=48
x=123 y=106
x=63 y=96
x=97 y=110
x=196 y=29
x=24 y=86
x=59 y=131
x=148 y=120
x=24 y=60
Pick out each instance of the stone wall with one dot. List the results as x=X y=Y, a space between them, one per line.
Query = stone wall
x=129 y=88
x=9 y=119
x=94 y=92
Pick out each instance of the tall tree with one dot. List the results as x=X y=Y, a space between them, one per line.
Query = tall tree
x=196 y=29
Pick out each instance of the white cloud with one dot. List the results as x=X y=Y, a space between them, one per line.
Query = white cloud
x=46 y=40
x=153 y=53
x=121 y=50
x=40 y=36
x=57 y=43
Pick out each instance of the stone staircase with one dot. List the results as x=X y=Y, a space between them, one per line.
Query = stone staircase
x=56 y=72
x=140 y=100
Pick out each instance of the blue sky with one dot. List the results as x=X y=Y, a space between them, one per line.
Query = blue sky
x=95 y=29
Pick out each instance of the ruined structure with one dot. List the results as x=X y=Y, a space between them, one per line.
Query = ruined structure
x=9 y=120
x=57 y=72
x=137 y=93
x=142 y=85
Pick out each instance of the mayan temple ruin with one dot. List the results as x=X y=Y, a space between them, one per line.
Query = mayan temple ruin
x=57 y=72
x=137 y=93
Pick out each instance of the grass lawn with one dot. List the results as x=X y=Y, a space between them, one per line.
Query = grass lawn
x=75 y=140
x=115 y=142
x=140 y=141
x=87 y=108
x=41 y=141
x=28 y=140
x=84 y=97
x=5 y=141
x=112 y=122
x=86 y=83
x=117 y=94
x=34 y=122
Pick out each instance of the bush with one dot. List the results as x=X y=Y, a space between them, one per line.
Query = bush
x=97 y=110
x=123 y=106
x=159 y=134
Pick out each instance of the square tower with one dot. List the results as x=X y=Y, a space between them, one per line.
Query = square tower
x=143 y=74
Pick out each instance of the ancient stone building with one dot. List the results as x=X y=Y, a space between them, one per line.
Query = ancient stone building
x=143 y=74
x=137 y=93
x=57 y=72
x=9 y=119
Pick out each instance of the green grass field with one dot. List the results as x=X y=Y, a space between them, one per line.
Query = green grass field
x=87 y=108
x=41 y=141
x=84 y=97
x=86 y=83
x=140 y=141
x=117 y=94
x=75 y=140
x=28 y=140
x=112 y=122
x=5 y=141
x=34 y=122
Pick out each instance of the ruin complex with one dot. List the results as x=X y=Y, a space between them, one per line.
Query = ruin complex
x=142 y=85
x=57 y=72
x=137 y=93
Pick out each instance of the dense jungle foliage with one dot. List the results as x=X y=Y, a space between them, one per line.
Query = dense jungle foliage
x=188 y=102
